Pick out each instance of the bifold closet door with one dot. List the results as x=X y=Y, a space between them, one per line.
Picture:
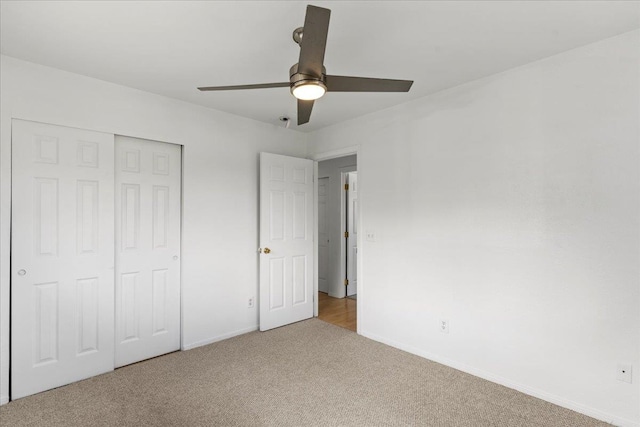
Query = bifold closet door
x=62 y=256
x=148 y=205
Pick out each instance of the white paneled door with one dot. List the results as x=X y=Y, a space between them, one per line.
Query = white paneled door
x=352 y=229
x=148 y=184
x=62 y=256
x=286 y=240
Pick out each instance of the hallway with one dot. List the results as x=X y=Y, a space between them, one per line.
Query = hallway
x=337 y=311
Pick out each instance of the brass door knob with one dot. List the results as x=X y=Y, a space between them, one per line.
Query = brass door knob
x=267 y=250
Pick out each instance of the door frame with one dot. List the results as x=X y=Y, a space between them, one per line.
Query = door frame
x=317 y=213
x=343 y=228
x=344 y=221
x=328 y=155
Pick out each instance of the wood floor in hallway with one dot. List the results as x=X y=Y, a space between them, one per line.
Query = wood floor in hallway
x=337 y=311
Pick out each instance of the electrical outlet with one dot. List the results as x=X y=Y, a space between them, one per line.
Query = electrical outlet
x=444 y=326
x=370 y=236
x=252 y=302
x=624 y=373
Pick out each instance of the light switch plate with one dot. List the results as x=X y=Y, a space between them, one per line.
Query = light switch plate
x=444 y=326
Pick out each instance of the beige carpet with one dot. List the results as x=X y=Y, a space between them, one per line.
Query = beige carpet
x=307 y=374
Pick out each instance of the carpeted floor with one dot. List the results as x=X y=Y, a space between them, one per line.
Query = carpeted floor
x=306 y=374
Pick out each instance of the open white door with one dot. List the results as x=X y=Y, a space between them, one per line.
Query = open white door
x=61 y=255
x=352 y=230
x=286 y=240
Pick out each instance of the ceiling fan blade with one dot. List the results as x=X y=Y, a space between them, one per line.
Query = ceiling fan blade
x=257 y=86
x=314 y=41
x=304 y=111
x=366 y=84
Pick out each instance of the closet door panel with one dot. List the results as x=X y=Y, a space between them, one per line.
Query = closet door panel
x=62 y=249
x=148 y=206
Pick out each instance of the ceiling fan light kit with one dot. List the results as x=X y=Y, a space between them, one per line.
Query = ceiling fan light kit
x=308 y=90
x=306 y=87
x=308 y=79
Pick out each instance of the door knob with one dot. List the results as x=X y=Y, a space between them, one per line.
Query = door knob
x=267 y=250
x=175 y=257
x=22 y=272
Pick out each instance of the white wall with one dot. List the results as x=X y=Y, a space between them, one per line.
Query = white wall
x=220 y=231
x=510 y=207
x=333 y=169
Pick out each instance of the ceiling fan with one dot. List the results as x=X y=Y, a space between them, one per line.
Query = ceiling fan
x=308 y=79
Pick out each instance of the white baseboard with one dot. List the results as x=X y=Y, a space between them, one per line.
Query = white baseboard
x=4 y=400
x=219 y=338
x=556 y=400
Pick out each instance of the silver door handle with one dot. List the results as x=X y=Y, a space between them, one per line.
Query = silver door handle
x=175 y=257
x=22 y=272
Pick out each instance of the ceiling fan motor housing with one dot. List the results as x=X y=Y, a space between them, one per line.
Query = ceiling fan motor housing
x=295 y=76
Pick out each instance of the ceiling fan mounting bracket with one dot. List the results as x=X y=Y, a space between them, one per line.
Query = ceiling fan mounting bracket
x=297 y=34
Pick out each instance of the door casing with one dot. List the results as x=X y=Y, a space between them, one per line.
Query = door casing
x=322 y=237
x=346 y=214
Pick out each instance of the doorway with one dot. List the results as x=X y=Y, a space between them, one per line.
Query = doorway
x=337 y=241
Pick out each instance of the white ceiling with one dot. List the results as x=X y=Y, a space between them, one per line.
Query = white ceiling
x=171 y=47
